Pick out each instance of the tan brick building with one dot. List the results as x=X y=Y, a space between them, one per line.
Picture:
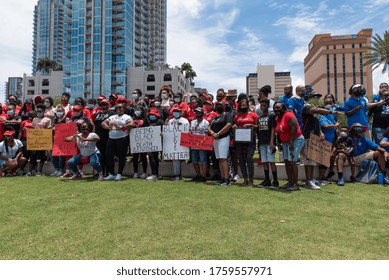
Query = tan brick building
x=335 y=63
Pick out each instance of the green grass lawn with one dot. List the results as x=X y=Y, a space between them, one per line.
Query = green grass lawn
x=50 y=218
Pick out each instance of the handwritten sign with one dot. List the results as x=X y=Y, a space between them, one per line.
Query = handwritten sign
x=172 y=150
x=60 y=147
x=196 y=141
x=244 y=135
x=145 y=139
x=39 y=139
x=319 y=151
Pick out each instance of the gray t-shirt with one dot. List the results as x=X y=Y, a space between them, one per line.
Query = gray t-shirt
x=87 y=148
x=120 y=121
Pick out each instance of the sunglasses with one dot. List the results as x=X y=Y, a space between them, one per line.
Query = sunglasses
x=358 y=128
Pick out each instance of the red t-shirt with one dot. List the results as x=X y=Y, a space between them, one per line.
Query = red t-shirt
x=283 y=129
x=25 y=124
x=2 y=126
x=245 y=118
x=85 y=112
x=209 y=116
x=190 y=115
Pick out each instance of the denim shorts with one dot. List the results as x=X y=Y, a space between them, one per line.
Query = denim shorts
x=298 y=145
x=199 y=156
x=266 y=155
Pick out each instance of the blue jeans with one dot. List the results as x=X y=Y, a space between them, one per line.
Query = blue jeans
x=378 y=134
x=94 y=161
x=298 y=145
x=58 y=162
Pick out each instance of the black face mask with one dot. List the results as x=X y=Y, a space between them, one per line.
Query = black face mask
x=244 y=110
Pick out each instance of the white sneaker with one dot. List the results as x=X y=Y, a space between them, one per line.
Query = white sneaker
x=118 y=177
x=30 y=173
x=109 y=177
x=143 y=176
x=54 y=174
x=59 y=174
x=135 y=176
x=38 y=174
x=236 y=178
x=311 y=184
x=152 y=178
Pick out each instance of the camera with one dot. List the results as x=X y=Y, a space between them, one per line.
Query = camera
x=386 y=100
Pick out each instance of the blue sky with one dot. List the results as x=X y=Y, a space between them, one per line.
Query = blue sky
x=224 y=40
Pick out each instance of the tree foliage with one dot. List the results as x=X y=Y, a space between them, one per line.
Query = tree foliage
x=378 y=52
x=187 y=69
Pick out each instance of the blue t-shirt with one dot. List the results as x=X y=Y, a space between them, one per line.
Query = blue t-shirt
x=376 y=98
x=284 y=99
x=297 y=104
x=329 y=133
x=363 y=145
x=360 y=115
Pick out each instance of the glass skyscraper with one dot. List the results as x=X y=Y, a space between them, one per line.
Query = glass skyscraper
x=48 y=32
x=103 y=38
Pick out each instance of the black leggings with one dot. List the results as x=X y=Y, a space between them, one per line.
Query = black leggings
x=154 y=163
x=118 y=148
x=143 y=157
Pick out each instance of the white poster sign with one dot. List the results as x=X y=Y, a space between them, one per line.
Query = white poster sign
x=171 y=142
x=145 y=139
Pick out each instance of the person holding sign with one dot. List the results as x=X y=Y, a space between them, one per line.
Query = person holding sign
x=219 y=129
x=11 y=153
x=155 y=120
x=39 y=122
x=199 y=126
x=292 y=140
x=249 y=121
x=86 y=143
x=117 y=144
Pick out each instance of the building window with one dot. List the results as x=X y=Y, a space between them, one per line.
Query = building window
x=30 y=92
x=31 y=83
x=150 y=88
x=334 y=47
x=327 y=47
x=343 y=46
x=353 y=46
x=150 y=78
x=344 y=77
x=335 y=78
x=167 y=78
x=354 y=71
x=361 y=66
x=45 y=82
x=45 y=91
x=328 y=74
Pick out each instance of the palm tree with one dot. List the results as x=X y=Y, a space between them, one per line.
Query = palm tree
x=45 y=65
x=378 y=52
x=189 y=72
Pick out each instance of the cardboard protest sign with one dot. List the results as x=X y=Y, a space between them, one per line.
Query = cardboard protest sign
x=60 y=147
x=39 y=139
x=145 y=139
x=195 y=141
x=319 y=151
x=171 y=142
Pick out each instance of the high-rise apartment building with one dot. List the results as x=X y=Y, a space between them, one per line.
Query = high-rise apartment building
x=104 y=38
x=48 y=32
x=335 y=63
x=265 y=75
x=14 y=87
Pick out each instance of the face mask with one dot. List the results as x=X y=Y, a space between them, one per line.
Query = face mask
x=76 y=114
x=193 y=106
x=138 y=113
x=47 y=104
x=59 y=114
x=177 y=99
x=176 y=115
x=153 y=118
x=164 y=96
x=157 y=103
x=329 y=107
x=91 y=106
x=171 y=103
x=135 y=96
x=28 y=107
x=39 y=114
x=343 y=135
x=10 y=113
x=207 y=108
x=244 y=110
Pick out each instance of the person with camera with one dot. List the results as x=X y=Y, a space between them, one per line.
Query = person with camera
x=355 y=108
x=380 y=112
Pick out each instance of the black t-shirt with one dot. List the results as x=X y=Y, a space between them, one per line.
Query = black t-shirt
x=220 y=121
x=381 y=116
x=311 y=124
x=100 y=117
x=265 y=124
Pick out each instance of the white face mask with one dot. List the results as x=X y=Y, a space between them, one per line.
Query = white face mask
x=135 y=96
x=164 y=96
x=157 y=103
x=10 y=112
x=59 y=114
x=171 y=103
x=177 y=99
x=138 y=113
x=47 y=104
x=39 y=114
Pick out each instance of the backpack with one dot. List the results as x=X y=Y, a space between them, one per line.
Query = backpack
x=368 y=172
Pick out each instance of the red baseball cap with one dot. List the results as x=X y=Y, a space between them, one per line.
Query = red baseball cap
x=9 y=133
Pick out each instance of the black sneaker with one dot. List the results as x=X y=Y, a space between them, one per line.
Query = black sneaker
x=275 y=184
x=215 y=177
x=293 y=188
x=202 y=179
x=332 y=173
x=226 y=183
x=265 y=183
x=352 y=179
x=283 y=187
x=195 y=179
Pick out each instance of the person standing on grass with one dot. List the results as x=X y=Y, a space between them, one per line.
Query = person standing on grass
x=199 y=126
x=266 y=141
x=219 y=129
x=296 y=104
x=117 y=144
x=26 y=124
x=249 y=120
x=155 y=120
x=11 y=156
x=86 y=143
x=292 y=140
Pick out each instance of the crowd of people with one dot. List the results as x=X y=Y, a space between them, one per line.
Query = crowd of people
x=269 y=126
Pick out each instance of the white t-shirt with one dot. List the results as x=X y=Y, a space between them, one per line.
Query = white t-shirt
x=87 y=148
x=199 y=128
x=12 y=151
x=121 y=121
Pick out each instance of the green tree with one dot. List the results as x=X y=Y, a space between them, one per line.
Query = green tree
x=378 y=52
x=188 y=71
x=46 y=64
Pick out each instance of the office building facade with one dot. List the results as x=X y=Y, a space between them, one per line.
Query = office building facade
x=48 y=32
x=335 y=63
x=102 y=39
x=14 y=86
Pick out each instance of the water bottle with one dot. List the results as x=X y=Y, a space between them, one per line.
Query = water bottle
x=380 y=178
